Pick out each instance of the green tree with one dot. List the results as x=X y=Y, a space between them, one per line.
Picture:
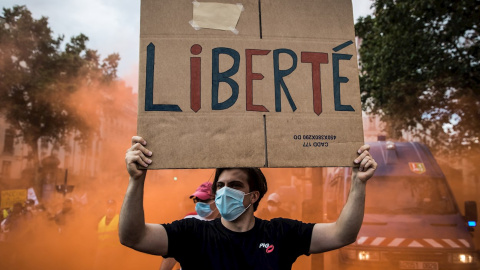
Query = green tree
x=39 y=77
x=420 y=68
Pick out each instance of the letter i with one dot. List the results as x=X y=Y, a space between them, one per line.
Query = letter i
x=195 y=78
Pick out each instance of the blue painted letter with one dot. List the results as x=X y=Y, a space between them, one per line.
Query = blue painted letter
x=218 y=77
x=149 y=106
x=337 y=80
x=278 y=78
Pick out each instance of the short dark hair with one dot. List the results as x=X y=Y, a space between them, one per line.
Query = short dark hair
x=255 y=178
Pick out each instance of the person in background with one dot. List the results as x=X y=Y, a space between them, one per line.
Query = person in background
x=109 y=249
x=64 y=216
x=204 y=203
x=108 y=226
x=205 y=210
x=4 y=214
x=13 y=236
x=29 y=208
x=273 y=209
x=13 y=223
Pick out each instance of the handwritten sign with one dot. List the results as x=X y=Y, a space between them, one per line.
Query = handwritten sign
x=282 y=91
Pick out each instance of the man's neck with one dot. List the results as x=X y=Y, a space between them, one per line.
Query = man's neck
x=243 y=223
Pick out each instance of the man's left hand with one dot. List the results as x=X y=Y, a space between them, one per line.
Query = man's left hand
x=366 y=164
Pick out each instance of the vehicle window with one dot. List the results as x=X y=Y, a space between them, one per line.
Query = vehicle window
x=408 y=195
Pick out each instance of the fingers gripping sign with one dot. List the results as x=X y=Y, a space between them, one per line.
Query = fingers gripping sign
x=137 y=156
x=365 y=164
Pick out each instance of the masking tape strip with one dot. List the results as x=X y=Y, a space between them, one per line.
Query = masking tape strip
x=235 y=31
x=194 y=25
x=240 y=6
x=216 y=16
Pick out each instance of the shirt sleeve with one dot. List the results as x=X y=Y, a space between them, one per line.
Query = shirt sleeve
x=181 y=234
x=298 y=235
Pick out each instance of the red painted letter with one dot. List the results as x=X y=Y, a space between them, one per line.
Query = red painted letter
x=316 y=59
x=195 y=78
x=253 y=76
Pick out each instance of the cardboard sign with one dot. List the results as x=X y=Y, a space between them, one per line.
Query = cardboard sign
x=10 y=197
x=278 y=90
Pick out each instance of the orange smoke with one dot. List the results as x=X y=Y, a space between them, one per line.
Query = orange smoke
x=40 y=243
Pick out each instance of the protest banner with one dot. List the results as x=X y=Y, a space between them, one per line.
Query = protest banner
x=261 y=83
x=12 y=196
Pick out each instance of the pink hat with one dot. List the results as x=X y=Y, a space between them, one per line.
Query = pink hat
x=203 y=192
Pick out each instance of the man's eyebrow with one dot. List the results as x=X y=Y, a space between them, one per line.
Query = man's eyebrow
x=235 y=182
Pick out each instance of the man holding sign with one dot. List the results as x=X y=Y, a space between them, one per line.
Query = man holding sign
x=275 y=87
x=238 y=240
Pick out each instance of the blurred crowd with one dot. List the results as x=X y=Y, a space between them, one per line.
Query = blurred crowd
x=33 y=235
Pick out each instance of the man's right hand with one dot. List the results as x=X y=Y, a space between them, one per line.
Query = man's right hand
x=137 y=155
x=133 y=232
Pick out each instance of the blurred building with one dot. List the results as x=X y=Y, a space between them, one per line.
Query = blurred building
x=12 y=154
x=117 y=123
x=373 y=127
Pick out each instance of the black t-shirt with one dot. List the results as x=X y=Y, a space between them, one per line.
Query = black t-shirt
x=274 y=244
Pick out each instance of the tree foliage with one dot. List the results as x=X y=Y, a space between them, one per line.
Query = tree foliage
x=39 y=75
x=420 y=68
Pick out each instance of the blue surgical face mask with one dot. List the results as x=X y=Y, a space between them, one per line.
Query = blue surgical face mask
x=203 y=209
x=229 y=203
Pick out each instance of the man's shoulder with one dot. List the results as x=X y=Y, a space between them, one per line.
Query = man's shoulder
x=269 y=223
x=191 y=213
x=280 y=220
x=189 y=227
x=282 y=223
x=195 y=216
x=193 y=220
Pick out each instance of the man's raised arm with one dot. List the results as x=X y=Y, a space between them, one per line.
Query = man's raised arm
x=328 y=236
x=132 y=229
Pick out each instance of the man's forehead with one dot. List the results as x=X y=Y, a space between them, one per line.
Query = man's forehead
x=233 y=175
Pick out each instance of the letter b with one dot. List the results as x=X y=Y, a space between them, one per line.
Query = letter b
x=218 y=77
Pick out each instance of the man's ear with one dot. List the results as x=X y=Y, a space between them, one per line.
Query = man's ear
x=254 y=197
